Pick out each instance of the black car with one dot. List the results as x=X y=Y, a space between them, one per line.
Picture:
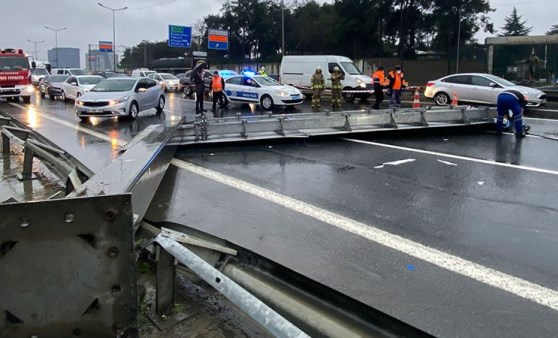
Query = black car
x=188 y=85
x=51 y=85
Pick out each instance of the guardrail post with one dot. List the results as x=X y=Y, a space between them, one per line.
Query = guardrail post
x=464 y=116
x=5 y=144
x=423 y=121
x=244 y=131
x=392 y=122
x=347 y=125
x=282 y=126
x=166 y=280
x=27 y=172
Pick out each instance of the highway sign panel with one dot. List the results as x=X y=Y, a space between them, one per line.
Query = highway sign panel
x=217 y=39
x=180 y=36
x=105 y=46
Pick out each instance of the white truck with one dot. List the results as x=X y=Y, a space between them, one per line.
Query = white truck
x=297 y=70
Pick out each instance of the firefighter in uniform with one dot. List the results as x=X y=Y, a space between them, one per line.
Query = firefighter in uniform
x=396 y=80
x=318 y=84
x=336 y=86
x=217 y=86
x=378 y=79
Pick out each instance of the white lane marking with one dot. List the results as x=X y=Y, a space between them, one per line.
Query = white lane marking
x=77 y=127
x=540 y=119
x=394 y=163
x=458 y=157
x=514 y=285
x=447 y=163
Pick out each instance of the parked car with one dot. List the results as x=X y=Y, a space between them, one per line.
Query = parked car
x=188 y=85
x=168 y=81
x=76 y=86
x=106 y=74
x=51 y=85
x=142 y=72
x=37 y=74
x=121 y=97
x=477 y=88
x=262 y=90
x=68 y=71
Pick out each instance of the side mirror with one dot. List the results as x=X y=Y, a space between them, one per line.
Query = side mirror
x=142 y=90
x=493 y=85
x=74 y=83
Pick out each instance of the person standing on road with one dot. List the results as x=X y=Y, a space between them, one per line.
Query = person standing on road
x=217 y=86
x=396 y=80
x=378 y=79
x=516 y=102
x=197 y=78
x=262 y=72
x=336 y=86
x=318 y=84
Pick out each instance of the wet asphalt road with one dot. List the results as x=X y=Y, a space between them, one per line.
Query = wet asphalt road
x=488 y=199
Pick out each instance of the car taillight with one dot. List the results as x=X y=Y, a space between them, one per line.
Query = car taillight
x=429 y=84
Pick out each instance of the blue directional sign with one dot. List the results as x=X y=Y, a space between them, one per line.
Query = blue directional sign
x=217 y=39
x=180 y=36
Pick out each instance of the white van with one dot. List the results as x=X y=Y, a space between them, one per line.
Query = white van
x=68 y=71
x=142 y=72
x=297 y=70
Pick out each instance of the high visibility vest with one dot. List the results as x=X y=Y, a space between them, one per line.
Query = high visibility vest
x=216 y=84
x=396 y=80
x=378 y=78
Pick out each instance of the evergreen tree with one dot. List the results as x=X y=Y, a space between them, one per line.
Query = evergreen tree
x=515 y=26
x=553 y=30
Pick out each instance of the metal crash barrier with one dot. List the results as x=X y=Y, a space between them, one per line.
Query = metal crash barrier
x=270 y=126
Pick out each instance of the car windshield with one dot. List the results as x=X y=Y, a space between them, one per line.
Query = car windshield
x=148 y=73
x=111 y=74
x=350 y=68
x=89 y=80
x=267 y=81
x=499 y=80
x=58 y=78
x=119 y=85
x=39 y=71
x=78 y=72
x=13 y=63
x=168 y=76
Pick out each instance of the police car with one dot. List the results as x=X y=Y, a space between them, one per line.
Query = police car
x=262 y=90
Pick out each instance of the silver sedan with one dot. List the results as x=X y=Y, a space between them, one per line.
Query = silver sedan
x=121 y=97
x=477 y=88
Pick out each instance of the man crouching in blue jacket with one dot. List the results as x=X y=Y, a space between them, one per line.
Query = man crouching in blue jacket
x=516 y=102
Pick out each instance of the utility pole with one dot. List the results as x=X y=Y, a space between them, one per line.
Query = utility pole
x=35 y=48
x=114 y=10
x=283 y=27
x=458 y=37
x=56 y=30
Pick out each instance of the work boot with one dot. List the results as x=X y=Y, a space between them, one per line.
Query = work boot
x=526 y=128
x=521 y=135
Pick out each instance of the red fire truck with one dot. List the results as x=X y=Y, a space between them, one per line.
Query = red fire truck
x=15 y=75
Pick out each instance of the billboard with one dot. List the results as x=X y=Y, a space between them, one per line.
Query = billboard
x=217 y=39
x=180 y=36
x=105 y=46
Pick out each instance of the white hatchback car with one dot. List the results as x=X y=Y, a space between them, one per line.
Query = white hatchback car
x=477 y=88
x=262 y=90
x=168 y=81
x=121 y=97
x=76 y=86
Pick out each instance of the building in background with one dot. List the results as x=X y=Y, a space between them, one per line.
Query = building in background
x=68 y=57
x=96 y=60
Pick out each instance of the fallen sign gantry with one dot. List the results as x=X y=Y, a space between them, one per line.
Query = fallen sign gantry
x=260 y=127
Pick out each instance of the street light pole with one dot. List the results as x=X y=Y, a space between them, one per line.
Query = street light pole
x=35 y=49
x=56 y=30
x=283 y=27
x=114 y=10
x=458 y=37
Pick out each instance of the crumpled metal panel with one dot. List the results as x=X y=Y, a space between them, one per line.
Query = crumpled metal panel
x=67 y=268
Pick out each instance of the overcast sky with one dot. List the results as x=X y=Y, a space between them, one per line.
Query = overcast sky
x=88 y=23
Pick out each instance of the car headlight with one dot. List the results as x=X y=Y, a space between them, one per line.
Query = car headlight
x=282 y=93
x=30 y=88
x=117 y=101
x=79 y=103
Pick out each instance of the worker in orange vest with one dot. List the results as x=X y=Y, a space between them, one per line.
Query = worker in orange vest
x=397 y=82
x=379 y=81
x=217 y=86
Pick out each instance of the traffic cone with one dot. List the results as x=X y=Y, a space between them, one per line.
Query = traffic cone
x=454 y=99
x=416 y=100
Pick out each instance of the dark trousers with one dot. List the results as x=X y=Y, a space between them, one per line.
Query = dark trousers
x=218 y=96
x=379 y=95
x=200 y=92
x=504 y=104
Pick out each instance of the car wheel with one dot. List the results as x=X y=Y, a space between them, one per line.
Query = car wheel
x=267 y=102
x=161 y=104
x=349 y=97
x=52 y=97
x=134 y=111
x=188 y=91
x=63 y=96
x=441 y=99
x=26 y=99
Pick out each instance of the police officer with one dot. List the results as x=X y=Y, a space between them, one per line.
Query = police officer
x=318 y=84
x=396 y=80
x=378 y=79
x=262 y=72
x=217 y=86
x=197 y=78
x=515 y=101
x=336 y=78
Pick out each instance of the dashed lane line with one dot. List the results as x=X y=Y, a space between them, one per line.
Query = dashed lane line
x=458 y=157
x=489 y=276
x=75 y=126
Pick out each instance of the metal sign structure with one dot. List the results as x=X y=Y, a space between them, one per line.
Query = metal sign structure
x=180 y=36
x=217 y=39
x=105 y=46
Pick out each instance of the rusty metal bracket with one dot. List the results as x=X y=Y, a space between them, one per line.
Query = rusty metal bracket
x=67 y=268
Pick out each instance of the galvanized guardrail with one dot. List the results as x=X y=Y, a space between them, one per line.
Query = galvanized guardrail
x=270 y=126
